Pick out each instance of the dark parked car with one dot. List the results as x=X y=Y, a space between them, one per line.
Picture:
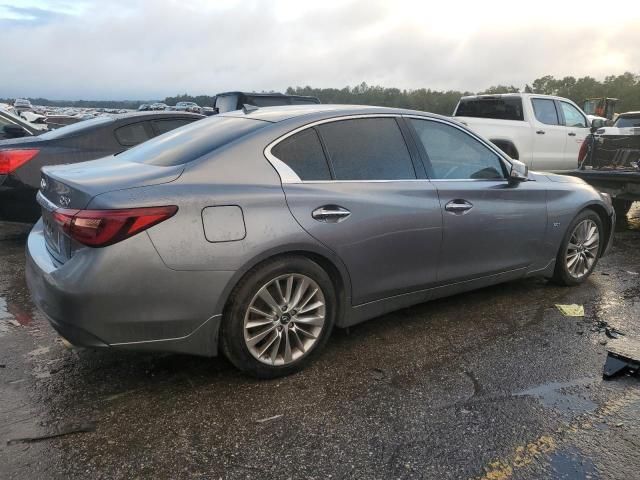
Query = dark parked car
x=255 y=232
x=11 y=126
x=22 y=158
x=229 y=101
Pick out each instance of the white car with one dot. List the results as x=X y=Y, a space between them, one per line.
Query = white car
x=543 y=131
x=626 y=124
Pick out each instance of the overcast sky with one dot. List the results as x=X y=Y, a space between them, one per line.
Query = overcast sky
x=136 y=49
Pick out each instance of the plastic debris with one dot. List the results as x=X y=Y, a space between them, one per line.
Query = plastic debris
x=612 y=332
x=65 y=430
x=618 y=363
x=572 y=310
x=268 y=419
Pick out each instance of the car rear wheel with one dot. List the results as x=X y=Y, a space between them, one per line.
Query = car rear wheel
x=580 y=249
x=279 y=317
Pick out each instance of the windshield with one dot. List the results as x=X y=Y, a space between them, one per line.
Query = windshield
x=500 y=108
x=76 y=128
x=630 y=121
x=187 y=143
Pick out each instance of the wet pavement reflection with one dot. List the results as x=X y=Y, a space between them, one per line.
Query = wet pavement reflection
x=495 y=383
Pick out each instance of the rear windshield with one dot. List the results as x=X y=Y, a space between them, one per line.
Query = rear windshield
x=625 y=122
x=76 y=128
x=187 y=143
x=505 y=108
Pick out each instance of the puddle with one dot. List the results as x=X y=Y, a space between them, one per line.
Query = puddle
x=572 y=464
x=553 y=395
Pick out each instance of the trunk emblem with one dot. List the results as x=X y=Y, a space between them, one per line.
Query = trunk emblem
x=64 y=200
x=43 y=184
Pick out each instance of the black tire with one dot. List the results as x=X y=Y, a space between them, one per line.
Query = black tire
x=561 y=274
x=621 y=207
x=232 y=338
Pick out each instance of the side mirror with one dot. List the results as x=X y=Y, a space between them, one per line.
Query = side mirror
x=597 y=123
x=14 y=131
x=519 y=172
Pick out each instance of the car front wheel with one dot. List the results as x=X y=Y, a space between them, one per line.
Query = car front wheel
x=279 y=317
x=580 y=249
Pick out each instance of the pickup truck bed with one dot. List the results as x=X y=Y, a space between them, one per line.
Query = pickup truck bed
x=612 y=165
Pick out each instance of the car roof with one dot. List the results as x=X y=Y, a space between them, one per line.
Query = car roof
x=320 y=111
x=628 y=113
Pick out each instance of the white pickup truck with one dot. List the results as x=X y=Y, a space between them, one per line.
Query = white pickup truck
x=543 y=131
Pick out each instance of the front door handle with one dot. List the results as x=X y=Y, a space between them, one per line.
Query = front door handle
x=458 y=206
x=330 y=214
x=540 y=132
x=571 y=134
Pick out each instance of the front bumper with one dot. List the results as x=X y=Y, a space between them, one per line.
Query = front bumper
x=123 y=296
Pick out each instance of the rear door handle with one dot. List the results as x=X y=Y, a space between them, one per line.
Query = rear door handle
x=458 y=206
x=330 y=214
x=540 y=132
x=571 y=134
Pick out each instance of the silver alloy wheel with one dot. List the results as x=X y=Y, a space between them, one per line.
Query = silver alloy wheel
x=284 y=319
x=582 y=249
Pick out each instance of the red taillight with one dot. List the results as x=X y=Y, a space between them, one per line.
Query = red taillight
x=584 y=148
x=12 y=159
x=99 y=228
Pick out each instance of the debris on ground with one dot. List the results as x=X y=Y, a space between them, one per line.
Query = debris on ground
x=268 y=419
x=572 y=310
x=612 y=332
x=618 y=363
x=61 y=432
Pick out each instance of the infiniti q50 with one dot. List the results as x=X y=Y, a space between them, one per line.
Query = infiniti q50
x=255 y=232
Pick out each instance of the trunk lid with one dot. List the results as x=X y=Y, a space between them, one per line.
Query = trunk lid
x=73 y=186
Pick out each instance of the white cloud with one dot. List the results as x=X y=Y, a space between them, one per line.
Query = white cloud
x=151 y=49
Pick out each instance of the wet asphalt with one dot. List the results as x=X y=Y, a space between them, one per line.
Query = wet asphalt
x=492 y=384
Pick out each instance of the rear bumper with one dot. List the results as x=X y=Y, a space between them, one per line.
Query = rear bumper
x=123 y=296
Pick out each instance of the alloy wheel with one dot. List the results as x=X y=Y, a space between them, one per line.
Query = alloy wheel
x=284 y=319
x=582 y=250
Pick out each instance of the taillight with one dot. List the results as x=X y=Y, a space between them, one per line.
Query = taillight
x=584 y=148
x=12 y=159
x=99 y=228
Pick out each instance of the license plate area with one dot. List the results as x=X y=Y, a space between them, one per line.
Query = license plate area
x=56 y=241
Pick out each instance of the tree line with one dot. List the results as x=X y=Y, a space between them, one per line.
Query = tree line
x=625 y=87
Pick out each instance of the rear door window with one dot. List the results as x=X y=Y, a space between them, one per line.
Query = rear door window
x=303 y=153
x=456 y=155
x=166 y=125
x=545 y=111
x=132 y=134
x=367 y=149
x=499 y=108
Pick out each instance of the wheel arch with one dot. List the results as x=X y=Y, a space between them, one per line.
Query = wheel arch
x=605 y=218
x=330 y=263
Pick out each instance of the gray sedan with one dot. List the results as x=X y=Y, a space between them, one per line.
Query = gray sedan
x=256 y=232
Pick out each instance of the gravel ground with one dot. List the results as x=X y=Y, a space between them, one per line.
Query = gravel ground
x=491 y=384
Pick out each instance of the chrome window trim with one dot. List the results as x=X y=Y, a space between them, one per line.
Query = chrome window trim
x=288 y=175
x=489 y=145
